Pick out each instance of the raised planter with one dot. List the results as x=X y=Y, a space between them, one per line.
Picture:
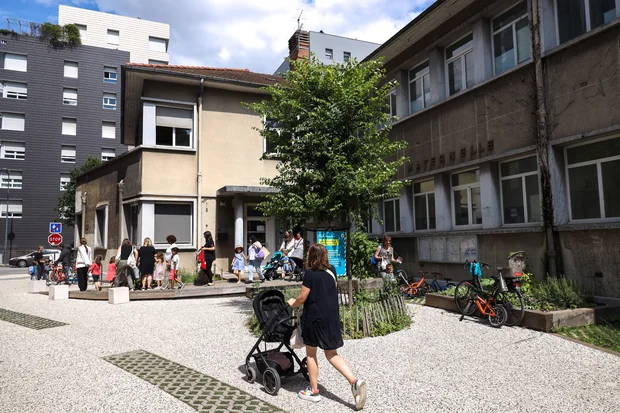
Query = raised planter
x=548 y=320
x=370 y=284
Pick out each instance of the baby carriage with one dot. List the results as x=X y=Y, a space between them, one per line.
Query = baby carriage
x=274 y=316
x=273 y=269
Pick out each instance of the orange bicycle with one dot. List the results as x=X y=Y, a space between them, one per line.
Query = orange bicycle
x=413 y=289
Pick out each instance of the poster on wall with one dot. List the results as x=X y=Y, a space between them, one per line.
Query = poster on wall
x=450 y=249
x=424 y=249
x=469 y=249
x=335 y=242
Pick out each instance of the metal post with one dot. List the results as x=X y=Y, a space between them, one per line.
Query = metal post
x=6 y=216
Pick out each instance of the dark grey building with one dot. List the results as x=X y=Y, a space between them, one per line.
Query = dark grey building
x=57 y=107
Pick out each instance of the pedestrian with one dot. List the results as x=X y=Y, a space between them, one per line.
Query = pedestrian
x=172 y=243
x=83 y=261
x=175 y=263
x=206 y=257
x=39 y=262
x=297 y=254
x=65 y=259
x=254 y=262
x=125 y=253
x=320 y=324
x=238 y=264
x=287 y=264
x=146 y=262
x=111 y=274
x=384 y=254
x=160 y=264
x=95 y=271
x=288 y=243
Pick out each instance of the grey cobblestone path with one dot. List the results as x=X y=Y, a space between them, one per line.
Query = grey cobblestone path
x=201 y=392
x=27 y=320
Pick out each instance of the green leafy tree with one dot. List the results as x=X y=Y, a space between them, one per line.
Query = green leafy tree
x=328 y=125
x=66 y=202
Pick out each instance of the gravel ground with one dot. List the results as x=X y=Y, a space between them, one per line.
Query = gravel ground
x=438 y=365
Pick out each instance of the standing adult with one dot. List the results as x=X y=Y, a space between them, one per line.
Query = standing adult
x=254 y=262
x=122 y=266
x=320 y=324
x=288 y=243
x=172 y=243
x=83 y=262
x=297 y=255
x=146 y=262
x=384 y=254
x=207 y=252
x=37 y=258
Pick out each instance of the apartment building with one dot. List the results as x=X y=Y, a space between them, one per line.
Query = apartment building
x=57 y=107
x=466 y=104
x=146 y=41
x=328 y=48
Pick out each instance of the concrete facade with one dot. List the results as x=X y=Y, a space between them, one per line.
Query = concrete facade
x=43 y=136
x=490 y=128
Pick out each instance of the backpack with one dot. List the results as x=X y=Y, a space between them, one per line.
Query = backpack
x=32 y=270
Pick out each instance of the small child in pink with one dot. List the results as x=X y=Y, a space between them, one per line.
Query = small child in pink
x=95 y=270
x=111 y=275
x=159 y=269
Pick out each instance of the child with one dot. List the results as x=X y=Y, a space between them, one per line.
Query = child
x=159 y=269
x=175 y=262
x=388 y=274
x=287 y=267
x=111 y=275
x=32 y=271
x=95 y=270
x=238 y=262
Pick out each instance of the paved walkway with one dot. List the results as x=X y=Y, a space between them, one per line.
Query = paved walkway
x=438 y=365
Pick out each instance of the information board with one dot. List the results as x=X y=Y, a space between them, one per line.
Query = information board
x=336 y=244
x=453 y=249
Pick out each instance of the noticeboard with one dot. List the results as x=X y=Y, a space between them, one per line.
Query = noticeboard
x=336 y=244
x=450 y=249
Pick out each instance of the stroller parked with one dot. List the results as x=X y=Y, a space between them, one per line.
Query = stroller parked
x=274 y=316
x=273 y=269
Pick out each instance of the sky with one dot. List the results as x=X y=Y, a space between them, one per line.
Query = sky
x=250 y=34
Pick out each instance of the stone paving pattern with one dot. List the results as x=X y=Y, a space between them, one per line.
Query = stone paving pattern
x=202 y=392
x=27 y=320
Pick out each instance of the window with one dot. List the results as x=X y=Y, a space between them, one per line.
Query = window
x=67 y=154
x=460 y=65
x=157 y=62
x=13 y=150
x=391 y=215
x=109 y=74
x=173 y=219
x=82 y=29
x=392 y=102
x=593 y=173
x=107 y=154
x=71 y=69
x=174 y=126
x=346 y=56
x=424 y=205
x=14 y=90
x=329 y=54
x=13 y=121
x=108 y=130
x=520 y=195
x=69 y=97
x=109 y=101
x=15 y=209
x=576 y=17
x=15 y=181
x=511 y=38
x=69 y=126
x=113 y=37
x=466 y=208
x=419 y=88
x=17 y=62
x=158 y=45
x=101 y=227
x=64 y=180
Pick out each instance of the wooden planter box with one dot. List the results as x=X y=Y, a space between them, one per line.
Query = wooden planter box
x=547 y=320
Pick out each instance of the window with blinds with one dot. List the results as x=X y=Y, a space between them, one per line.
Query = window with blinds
x=158 y=45
x=107 y=154
x=69 y=126
x=113 y=37
x=13 y=121
x=173 y=126
x=13 y=180
x=109 y=74
x=108 y=130
x=13 y=150
x=109 y=101
x=68 y=154
x=14 y=90
x=71 y=69
x=64 y=181
x=17 y=62
x=15 y=209
x=173 y=219
x=69 y=96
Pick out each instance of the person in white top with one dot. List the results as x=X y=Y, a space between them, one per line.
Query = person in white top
x=298 y=250
x=289 y=243
x=172 y=241
x=83 y=262
x=254 y=263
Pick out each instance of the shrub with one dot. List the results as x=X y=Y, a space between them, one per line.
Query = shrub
x=556 y=294
x=361 y=250
x=59 y=36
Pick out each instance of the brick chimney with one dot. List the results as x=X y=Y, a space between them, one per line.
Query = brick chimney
x=299 y=45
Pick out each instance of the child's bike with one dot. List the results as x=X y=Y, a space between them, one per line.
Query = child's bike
x=434 y=286
x=412 y=289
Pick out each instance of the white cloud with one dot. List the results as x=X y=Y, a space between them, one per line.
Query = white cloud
x=254 y=34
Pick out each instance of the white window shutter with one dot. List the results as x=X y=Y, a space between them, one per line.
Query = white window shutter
x=16 y=62
x=157 y=45
x=13 y=121
x=71 y=69
x=173 y=117
x=113 y=37
x=69 y=126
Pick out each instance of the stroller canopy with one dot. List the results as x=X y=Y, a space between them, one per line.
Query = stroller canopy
x=270 y=304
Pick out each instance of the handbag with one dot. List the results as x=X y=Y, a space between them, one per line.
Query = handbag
x=296 y=341
x=131 y=260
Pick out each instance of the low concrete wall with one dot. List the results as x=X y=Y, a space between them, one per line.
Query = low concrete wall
x=370 y=284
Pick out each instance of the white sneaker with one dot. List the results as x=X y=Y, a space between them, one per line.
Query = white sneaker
x=359 y=393
x=309 y=396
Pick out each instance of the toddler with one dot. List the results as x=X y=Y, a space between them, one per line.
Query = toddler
x=238 y=264
x=388 y=274
x=287 y=267
x=32 y=271
x=111 y=275
x=175 y=262
x=159 y=269
x=95 y=270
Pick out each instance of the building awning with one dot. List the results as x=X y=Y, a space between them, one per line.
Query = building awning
x=231 y=190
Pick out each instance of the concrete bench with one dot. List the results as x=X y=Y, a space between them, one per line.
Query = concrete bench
x=59 y=292
x=118 y=295
x=36 y=286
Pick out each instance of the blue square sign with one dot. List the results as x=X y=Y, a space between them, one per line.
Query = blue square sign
x=55 y=228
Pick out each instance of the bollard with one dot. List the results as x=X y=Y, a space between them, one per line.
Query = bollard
x=118 y=295
x=59 y=292
x=36 y=286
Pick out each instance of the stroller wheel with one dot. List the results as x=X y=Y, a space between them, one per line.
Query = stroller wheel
x=250 y=374
x=303 y=368
x=271 y=381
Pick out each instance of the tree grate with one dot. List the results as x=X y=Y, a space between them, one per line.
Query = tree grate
x=27 y=320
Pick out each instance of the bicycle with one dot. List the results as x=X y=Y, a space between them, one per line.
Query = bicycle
x=434 y=286
x=413 y=289
x=58 y=275
x=496 y=313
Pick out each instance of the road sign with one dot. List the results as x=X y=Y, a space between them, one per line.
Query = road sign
x=54 y=240
x=55 y=228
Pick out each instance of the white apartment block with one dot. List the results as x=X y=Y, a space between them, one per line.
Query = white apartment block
x=146 y=41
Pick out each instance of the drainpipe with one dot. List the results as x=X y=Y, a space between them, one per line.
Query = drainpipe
x=121 y=210
x=199 y=167
x=84 y=196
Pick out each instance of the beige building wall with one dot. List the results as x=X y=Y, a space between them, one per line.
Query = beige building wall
x=168 y=173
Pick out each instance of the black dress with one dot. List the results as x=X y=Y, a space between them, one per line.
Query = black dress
x=320 y=321
x=206 y=276
x=147 y=260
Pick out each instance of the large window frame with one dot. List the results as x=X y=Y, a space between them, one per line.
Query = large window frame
x=600 y=184
x=65 y=154
x=68 y=96
x=421 y=74
x=110 y=74
x=15 y=209
x=109 y=101
x=396 y=215
x=470 y=210
x=181 y=242
x=523 y=177
x=512 y=26
x=13 y=150
x=16 y=180
x=425 y=194
x=12 y=121
x=461 y=55
x=175 y=123
x=14 y=90
x=587 y=17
